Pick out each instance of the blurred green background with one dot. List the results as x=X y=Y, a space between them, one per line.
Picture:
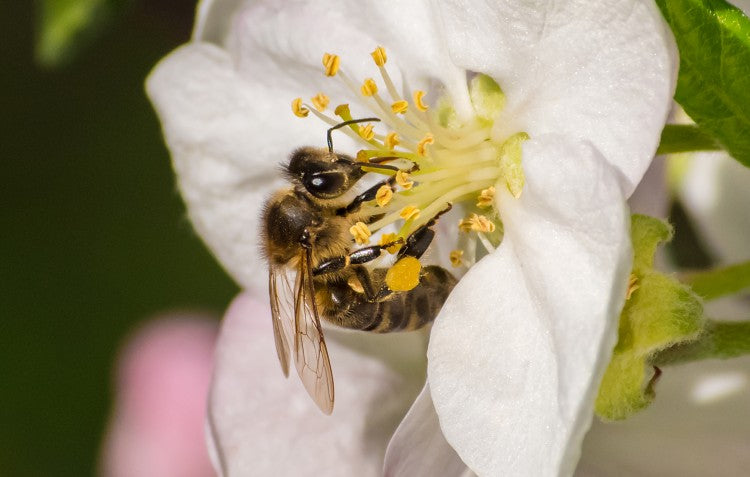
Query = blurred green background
x=94 y=235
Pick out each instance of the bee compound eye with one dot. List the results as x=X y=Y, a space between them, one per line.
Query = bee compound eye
x=326 y=184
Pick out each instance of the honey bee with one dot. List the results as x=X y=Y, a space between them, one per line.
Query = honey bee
x=313 y=271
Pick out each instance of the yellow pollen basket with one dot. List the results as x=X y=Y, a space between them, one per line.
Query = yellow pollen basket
x=404 y=274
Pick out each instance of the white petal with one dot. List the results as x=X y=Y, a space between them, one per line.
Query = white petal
x=227 y=138
x=603 y=71
x=273 y=43
x=264 y=424
x=698 y=425
x=418 y=448
x=518 y=350
x=716 y=192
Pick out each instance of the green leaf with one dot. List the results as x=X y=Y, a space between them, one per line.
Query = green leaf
x=660 y=313
x=720 y=282
x=677 y=138
x=65 y=26
x=713 y=85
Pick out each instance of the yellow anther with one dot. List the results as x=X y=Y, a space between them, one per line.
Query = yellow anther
x=390 y=238
x=476 y=222
x=366 y=132
x=480 y=223
x=422 y=145
x=355 y=284
x=360 y=232
x=418 y=96
x=486 y=197
x=298 y=109
x=320 y=101
x=379 y=56
x=464 y=225
x=402 y=179
x=392 y=140
x=331 y=64
x=383 y=195
x=409 y=212
x=632 y=286
x=404 y=274
x=362 y=156
x=399 y=107
x=342 y=110
x=369 y=87
x=457 y=258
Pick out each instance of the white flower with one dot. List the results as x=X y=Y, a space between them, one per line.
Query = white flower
x=517 y=352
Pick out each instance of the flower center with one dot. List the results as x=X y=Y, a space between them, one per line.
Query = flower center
x=441 y=161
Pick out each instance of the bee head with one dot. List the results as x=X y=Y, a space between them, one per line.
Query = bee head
x=323 y=174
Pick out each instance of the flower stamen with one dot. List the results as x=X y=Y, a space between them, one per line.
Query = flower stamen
x=383 y=195
x=360 y=232
x=320 y=101
x=331 y=64
x=298 y=109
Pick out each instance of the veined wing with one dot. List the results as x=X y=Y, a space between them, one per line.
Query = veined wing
x=280 y=279
x=310 y=351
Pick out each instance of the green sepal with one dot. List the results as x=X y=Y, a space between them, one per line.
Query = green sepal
x=713 y=85
x=660 y=313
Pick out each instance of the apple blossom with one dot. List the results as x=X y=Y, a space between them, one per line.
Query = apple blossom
x=163 y=376
x=557 y=106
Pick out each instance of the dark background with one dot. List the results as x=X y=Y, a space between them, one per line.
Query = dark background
x=93 y=235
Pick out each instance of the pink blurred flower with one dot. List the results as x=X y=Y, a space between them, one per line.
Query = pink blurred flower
x=163 y=376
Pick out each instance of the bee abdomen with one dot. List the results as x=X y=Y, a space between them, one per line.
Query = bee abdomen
x=402 y=311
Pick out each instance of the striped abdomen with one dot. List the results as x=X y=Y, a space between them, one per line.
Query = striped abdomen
x=401 y=311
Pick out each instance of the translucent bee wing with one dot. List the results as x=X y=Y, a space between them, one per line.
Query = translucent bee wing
x=282 y=296
x=310 y=351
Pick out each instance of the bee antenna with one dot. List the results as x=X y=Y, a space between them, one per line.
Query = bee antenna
x=341 y=125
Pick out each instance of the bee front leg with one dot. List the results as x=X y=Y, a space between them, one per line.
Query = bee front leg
x=372 y=192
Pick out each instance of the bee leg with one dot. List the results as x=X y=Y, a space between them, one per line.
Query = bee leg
x=372 y=192
x=366 y=196
x=357 y=257
x=416 y=245
x=419 y=240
